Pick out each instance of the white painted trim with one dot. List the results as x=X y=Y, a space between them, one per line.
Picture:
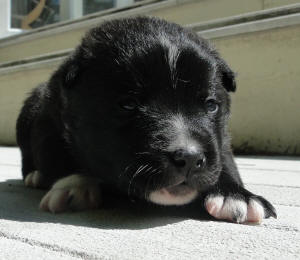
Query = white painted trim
x=5 y=22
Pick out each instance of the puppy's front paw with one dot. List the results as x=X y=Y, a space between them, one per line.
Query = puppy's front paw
x=75 y=192
x=239 y=208
x=33 y=180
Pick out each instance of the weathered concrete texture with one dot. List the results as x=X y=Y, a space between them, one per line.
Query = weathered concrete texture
x=120 y=233
x=265 y=106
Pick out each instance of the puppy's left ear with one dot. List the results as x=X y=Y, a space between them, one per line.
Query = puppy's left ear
x=227 y=77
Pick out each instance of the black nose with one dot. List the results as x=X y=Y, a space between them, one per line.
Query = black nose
x=188 y=160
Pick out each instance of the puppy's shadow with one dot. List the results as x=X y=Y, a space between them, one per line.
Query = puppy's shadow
x=19 y=203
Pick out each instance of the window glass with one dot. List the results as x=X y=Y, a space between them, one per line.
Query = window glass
x=30 y=14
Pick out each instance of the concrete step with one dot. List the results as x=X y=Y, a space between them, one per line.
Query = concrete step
x=67 y=34
x=264 y=53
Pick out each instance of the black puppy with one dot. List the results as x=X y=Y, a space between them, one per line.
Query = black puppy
x=141 y=108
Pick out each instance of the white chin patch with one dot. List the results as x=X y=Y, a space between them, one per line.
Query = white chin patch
x=164 y=197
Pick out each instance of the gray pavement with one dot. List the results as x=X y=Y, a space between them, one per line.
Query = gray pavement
x=121 y=233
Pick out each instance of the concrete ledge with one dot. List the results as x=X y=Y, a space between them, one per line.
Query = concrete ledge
x=246 y=18
x=10 y=66
x=253 y=26
x=66 y=35
x=265 y=106
x=247 y=23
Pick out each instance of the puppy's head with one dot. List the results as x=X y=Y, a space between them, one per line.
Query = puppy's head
x=146 y=106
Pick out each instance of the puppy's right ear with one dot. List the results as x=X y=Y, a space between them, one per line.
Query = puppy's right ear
x=70 y=75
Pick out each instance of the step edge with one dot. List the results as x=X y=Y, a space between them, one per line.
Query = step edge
x=250 y=27
x=246 y=17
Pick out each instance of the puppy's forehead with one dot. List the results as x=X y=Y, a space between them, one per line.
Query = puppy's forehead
x=170 y=69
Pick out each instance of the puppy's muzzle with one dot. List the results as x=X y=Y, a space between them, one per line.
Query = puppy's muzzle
x=184 y=167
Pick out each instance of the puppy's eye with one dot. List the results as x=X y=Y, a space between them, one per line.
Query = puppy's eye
x=128 y=103
x=211 y=106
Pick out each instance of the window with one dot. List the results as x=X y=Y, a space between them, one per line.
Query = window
x=30 y=14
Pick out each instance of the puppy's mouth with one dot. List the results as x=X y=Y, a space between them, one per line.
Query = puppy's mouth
x=179 y=188
x=179 y=193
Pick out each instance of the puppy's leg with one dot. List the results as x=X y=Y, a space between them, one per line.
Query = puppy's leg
x=228 y=200
x=23 y=135
x=40 y=136
x=75 y=192
x=51 y=160
x=50 y=154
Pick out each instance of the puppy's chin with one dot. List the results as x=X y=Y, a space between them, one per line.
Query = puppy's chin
x=178 y=194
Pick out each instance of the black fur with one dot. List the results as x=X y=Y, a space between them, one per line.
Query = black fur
x=111 y=110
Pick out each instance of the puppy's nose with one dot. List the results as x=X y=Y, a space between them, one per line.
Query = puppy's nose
x=188 y=160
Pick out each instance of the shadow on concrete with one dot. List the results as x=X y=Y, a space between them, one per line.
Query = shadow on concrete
x=19 y=203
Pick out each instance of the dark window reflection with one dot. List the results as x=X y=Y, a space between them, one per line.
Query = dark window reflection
x=91 y=6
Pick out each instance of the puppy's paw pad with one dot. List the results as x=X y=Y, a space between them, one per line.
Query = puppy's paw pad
x=239 y=208
x=227 y=208
x=33 y=179
x=72 y=193
x=55 y=201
